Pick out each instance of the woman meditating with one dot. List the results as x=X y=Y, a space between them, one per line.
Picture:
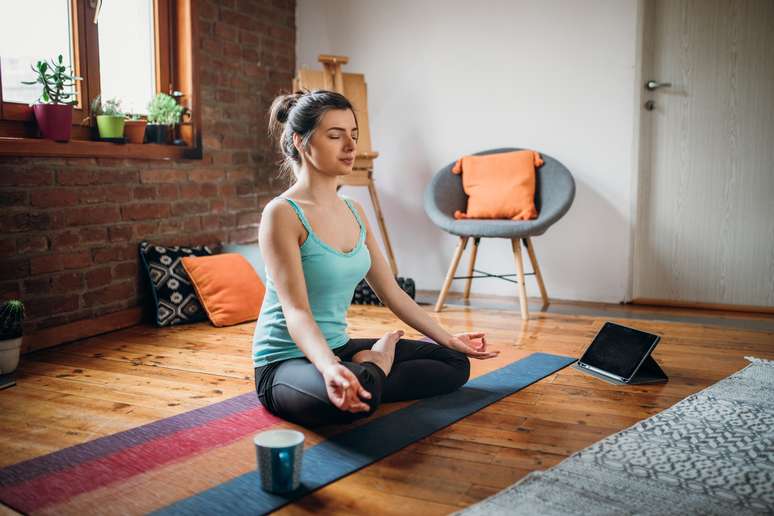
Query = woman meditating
x=317 y=247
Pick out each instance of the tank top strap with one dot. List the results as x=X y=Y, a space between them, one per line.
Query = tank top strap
x=355 y=212
x=300 y=214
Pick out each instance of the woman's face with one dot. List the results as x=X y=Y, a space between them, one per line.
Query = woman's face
x=332 y=146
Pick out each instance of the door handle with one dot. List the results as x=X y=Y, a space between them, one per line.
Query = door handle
x=654 y=85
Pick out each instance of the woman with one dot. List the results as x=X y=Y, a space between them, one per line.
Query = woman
x=317 y=247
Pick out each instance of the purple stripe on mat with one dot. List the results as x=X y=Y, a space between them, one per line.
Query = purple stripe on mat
x=102 y=446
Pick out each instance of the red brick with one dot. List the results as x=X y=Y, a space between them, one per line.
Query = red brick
x=167 y=192
x=145 y=211
x=206 y=175
x=10 y=290
x=64 y=240
x=189 y=207
x=217 y=206
x=14 y=269
x=31 y=244
x=120 y=233
x=77 y=260
x=110 y=294
x=247 y=202
x=98 y=277
x=79 y=177
x=16 y=197
x=118 y=193
x=125 y=270
x=170 y=226
x=225 y=32
x=145 y=230
x=7 y=246
x=243 y=236
x=67 y=282
x=192 y=224
x=190 y=191
x=46 y=306
x=248 y=218
x=163 y=175
x=115 y=253
x=208 y=190
x=45 y=263
x=26 y=221
x=26 y=177
x=92 y=215
x=144 y=192
x=92 y=235
x=53 y=197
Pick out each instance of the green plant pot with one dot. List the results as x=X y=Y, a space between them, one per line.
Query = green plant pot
x=110 y=126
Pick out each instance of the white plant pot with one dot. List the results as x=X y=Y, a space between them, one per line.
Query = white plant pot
x=9 y=354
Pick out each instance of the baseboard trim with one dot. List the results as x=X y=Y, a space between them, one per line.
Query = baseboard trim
x=81 y=329
x=642 y=301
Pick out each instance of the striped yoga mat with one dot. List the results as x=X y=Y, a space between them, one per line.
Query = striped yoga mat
x=206 y=458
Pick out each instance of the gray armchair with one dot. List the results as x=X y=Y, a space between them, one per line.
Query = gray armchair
x=555 y=192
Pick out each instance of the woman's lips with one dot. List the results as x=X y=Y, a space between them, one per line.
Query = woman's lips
x=348 y=161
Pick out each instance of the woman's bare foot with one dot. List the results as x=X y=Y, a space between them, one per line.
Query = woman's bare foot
x=382 y=353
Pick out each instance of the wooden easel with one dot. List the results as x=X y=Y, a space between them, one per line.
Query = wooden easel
x=352 y=86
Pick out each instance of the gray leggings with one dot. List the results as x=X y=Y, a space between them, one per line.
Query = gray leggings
x=294 y=390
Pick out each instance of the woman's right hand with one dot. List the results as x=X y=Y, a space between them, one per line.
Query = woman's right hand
x=344 y=389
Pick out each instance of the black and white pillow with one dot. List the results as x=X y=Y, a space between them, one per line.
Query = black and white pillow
x=173 y=293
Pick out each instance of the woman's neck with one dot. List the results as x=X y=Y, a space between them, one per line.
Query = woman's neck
x=317 y=188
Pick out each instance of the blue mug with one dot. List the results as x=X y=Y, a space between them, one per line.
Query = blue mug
x=278 y=454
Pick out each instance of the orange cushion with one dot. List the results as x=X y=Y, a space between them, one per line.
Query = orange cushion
x=227 y=286
x=499 y=186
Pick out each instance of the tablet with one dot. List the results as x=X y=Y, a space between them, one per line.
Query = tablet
x=618 y=351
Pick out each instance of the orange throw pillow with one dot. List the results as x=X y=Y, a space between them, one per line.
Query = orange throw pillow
x=227 y=286
x=499 y=186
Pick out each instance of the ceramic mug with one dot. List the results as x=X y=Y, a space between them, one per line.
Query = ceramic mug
x=278 y=456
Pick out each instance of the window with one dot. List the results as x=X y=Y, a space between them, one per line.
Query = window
x=121 y=49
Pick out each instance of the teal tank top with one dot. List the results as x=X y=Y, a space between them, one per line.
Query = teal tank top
x=331 y=277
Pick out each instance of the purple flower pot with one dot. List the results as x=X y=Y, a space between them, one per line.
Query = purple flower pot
x=55 y=121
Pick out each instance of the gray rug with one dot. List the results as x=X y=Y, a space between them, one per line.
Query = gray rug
x=712 y=453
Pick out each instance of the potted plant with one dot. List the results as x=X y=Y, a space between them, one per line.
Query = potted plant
x=11 y=318
x=135 y=128
x=54 y=109
x=163 y=112
x=110 y=119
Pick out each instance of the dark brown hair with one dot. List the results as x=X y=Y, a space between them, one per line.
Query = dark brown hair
x=301 y=112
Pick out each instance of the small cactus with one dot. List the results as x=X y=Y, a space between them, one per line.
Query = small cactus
x=11 y=318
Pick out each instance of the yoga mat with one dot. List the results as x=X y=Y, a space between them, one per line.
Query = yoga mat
x=354 y=449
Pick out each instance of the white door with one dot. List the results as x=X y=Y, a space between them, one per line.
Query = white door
x=704 y=231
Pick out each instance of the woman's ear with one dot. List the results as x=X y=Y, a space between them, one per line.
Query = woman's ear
x=298 y=143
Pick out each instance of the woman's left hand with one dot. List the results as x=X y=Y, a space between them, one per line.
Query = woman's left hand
x=472 y=344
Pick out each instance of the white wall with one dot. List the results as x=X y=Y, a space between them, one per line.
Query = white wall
x=448 y=78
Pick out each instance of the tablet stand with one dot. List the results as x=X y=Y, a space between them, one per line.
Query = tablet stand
x=648 y=372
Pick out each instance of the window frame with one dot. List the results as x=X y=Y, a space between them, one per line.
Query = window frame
x=175 y=35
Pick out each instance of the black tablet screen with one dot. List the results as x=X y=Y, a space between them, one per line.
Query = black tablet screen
x=618 y=349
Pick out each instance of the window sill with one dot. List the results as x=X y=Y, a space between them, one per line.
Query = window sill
x=91 y=149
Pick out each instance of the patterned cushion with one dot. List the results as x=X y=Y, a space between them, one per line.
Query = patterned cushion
x=173 y=293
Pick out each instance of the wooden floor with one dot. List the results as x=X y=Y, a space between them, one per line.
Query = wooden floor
x=83 y=390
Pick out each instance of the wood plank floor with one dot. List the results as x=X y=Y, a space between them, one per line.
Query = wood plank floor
x=80 y=391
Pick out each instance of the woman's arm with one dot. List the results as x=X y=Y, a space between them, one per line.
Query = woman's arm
x=383 y=283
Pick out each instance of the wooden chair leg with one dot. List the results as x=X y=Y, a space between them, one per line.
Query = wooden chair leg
x=382 y=227
x=452 y=270
x=471 y=265
x=516 y=246
x=536 y=268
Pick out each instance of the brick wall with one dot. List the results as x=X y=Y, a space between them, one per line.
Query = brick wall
x=70 y=227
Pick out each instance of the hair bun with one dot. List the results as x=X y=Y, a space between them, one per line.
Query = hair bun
x=287 y=102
